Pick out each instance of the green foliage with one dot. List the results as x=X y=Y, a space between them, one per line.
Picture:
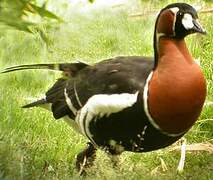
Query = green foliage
x=91 y=1
x=35 y=146
x=15 y=13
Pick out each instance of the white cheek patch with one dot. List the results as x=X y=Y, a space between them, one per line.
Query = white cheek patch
x=103 y=105
x=187 y=21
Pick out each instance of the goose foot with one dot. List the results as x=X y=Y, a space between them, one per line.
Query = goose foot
x=85 y=159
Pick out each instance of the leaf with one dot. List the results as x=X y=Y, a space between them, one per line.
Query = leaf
x=43 y=12
x=91 y=1
x=12 y=13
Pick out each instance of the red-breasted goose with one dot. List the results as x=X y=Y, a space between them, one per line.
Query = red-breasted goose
x=132 y=103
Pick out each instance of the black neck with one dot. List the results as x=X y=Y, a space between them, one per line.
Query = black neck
x=155 y=44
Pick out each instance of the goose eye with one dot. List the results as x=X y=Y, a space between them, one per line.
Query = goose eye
x=179 y=14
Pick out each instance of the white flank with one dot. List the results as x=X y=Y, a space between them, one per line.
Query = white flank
x=103 y=105
x=69 y=103
x=187 y=21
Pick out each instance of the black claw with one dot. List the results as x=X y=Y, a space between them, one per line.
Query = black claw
x=85 y=159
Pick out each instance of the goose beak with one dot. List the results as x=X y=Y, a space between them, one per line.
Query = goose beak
x=198 y=27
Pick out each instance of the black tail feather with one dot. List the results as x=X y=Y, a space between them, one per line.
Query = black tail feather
x=30 y=66
x=69 y=68
x=54 y=100
x=36 y=103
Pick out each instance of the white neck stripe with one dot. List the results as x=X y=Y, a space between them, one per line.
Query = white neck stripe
x=174 y=10
x=146 y=109
x=76 y=95
x=69 y=103
x=158 y=36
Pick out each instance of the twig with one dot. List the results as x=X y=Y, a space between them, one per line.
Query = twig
x=210 y=10
x=82 y=166
x=163 y=165
x=147 y=13
x=118 y=5
x=208 y=147
x=208 y=103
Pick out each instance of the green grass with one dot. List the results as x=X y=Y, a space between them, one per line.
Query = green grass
x=35 y=146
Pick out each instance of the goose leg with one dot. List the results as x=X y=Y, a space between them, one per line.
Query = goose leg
x=183 y=155
x=85 y=158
